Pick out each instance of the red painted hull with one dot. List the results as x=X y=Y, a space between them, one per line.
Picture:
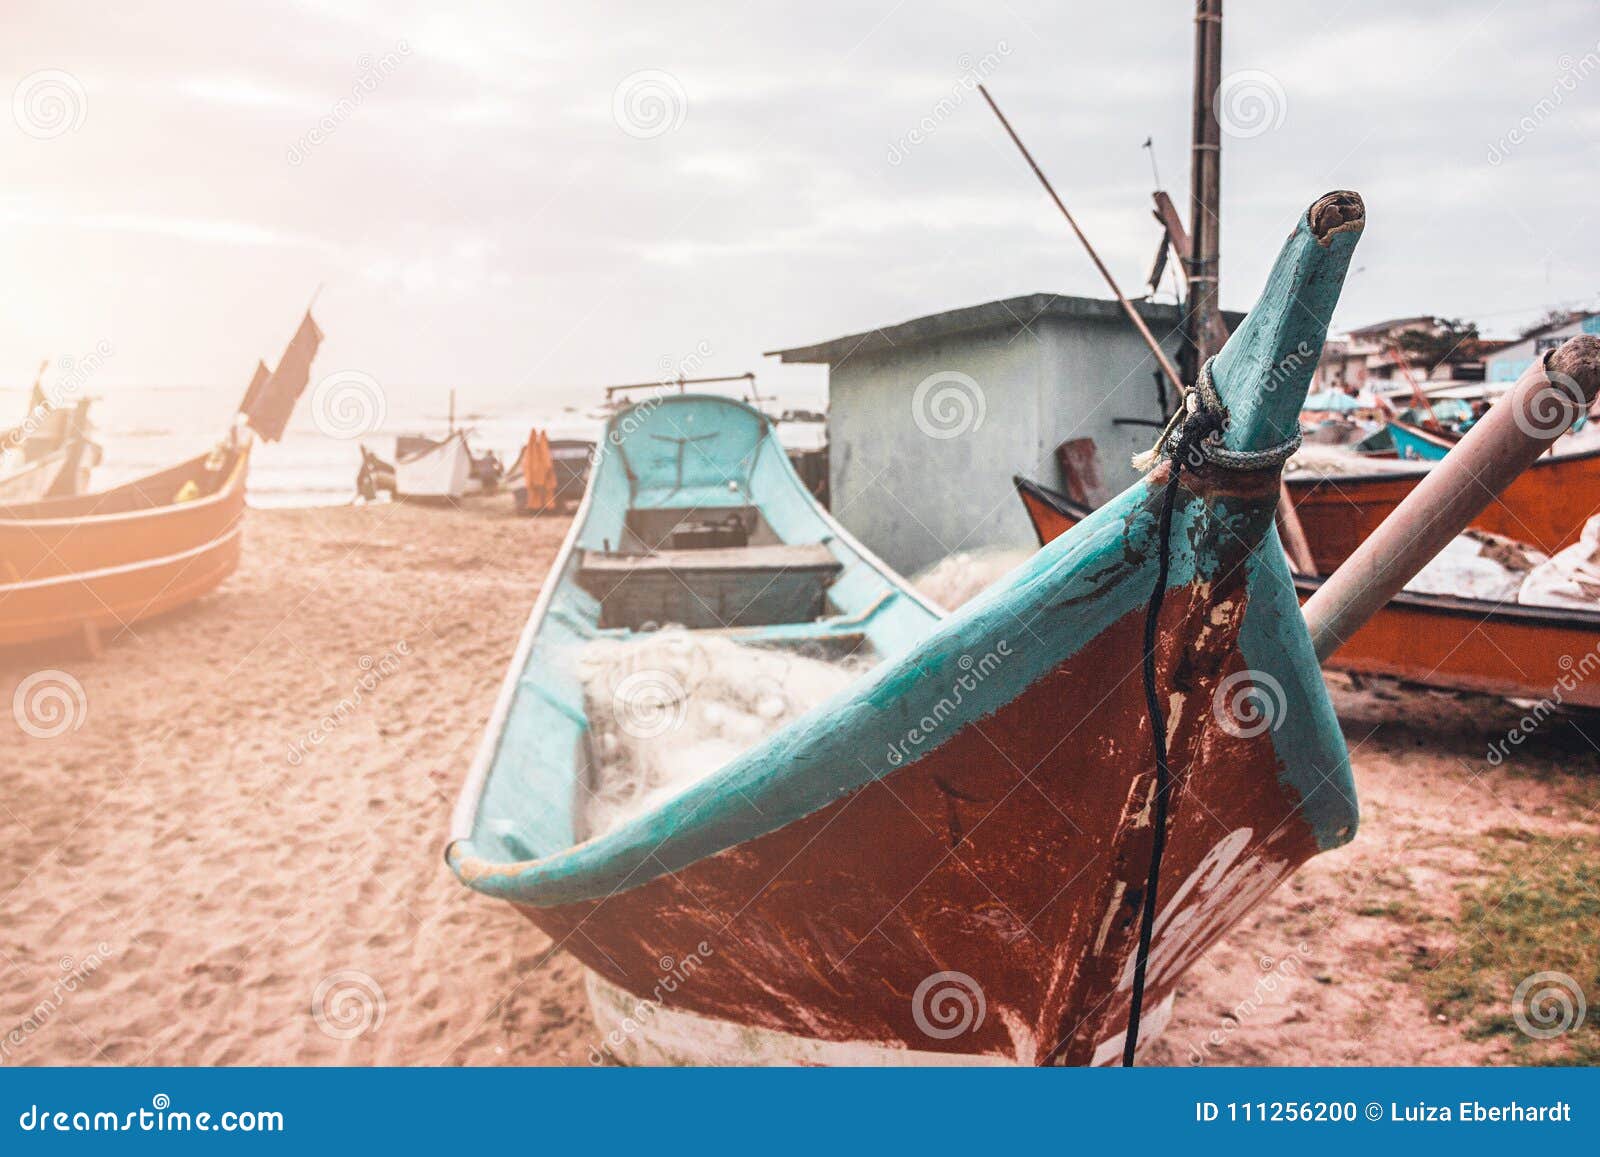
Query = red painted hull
x=1027 y=884
x=1545 y=507
x=1461 y=644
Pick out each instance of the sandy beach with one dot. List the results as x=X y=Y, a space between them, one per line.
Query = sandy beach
x=228 y=849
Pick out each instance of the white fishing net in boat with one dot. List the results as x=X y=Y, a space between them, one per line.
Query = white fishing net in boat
x=668 y=709
x=1476 y=565
x=1571 y=578
x=958 y=577
x=1312 y=460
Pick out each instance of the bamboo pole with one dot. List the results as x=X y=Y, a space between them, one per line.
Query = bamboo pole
x=1541 y=407
x=681 y=382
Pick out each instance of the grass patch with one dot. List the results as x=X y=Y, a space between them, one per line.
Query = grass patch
x=1538 y=912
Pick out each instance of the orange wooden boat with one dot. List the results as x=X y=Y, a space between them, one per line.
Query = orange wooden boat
x=1547 y=654
x=106 y=560
x=1545 y=507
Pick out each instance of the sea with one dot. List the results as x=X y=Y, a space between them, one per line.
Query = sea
x=143 y=429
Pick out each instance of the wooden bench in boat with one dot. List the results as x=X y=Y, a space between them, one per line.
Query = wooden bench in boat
x=707 y=589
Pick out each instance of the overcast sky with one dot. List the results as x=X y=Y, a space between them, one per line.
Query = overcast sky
x=535 y=199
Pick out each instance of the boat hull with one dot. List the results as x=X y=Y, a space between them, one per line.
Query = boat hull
x=93 y=562
x=1416 y=443
x=440 y=473
x=1545 y=507
x=639 y=1031
x=951 y=855
x=1518 y=652
x=1018 y=887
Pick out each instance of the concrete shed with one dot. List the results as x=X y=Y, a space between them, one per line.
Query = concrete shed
x=1506 y=364
x=929 y=419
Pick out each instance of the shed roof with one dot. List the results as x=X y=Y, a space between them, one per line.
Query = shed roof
x=1009 y=313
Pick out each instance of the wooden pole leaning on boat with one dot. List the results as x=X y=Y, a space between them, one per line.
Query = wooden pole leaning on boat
x=1541 y=407
x=1133 y=314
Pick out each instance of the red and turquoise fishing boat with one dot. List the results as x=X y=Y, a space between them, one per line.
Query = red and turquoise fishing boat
x=950 y=861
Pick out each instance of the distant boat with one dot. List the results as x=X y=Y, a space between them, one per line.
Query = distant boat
x=428 y=469
x=550 y=474
x=1418 y=443
x=444 y=469
x=1545 y=507
x=50 y=459
x=104 y=561
x=946 y=862
x=1493 y=648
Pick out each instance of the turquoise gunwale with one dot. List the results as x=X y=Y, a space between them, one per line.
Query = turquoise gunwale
x=513 y=831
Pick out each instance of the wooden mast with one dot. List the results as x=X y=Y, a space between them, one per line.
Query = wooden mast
x=1204 y=321
x=1205 y=184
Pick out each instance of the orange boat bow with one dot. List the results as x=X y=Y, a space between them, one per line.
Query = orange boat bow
x=1541 y=653
x=107 y=560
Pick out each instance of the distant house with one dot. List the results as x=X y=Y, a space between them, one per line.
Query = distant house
x=1377 y=356
x=929 y=419
x=1507 y=363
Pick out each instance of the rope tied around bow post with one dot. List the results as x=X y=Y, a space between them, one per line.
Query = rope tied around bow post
x=1191 y=439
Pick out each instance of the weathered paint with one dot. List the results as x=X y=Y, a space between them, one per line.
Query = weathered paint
x=1434 y=640
x=927 y=820
x=1546 y=506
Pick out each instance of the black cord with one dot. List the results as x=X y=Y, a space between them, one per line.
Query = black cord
x=1186 y=449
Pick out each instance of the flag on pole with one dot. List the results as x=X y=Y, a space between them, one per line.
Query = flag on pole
x=257 y=380
x=267 y=406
